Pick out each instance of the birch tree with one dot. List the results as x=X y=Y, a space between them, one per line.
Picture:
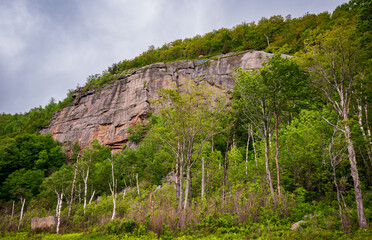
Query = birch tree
x=252 y=97
x=113 y=187
x=336 y=156
x=189 y=115
x=285 y=83
x=266 y=94
x=333 y=59
x=23 y=185
x=73 y=186
x=23 y=200
x=85 y=164
x=59 y=183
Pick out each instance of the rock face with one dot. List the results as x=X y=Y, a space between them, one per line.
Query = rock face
x=44 y=222
x=106 y=113
x=297 y=224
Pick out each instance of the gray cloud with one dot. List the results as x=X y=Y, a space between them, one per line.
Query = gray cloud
x=48 y=47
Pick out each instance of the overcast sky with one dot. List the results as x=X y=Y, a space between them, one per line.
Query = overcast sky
x=50 y=46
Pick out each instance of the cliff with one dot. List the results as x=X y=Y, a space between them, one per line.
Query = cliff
x=106 y=113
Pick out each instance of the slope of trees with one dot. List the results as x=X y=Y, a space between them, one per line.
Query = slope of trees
x=294 y=144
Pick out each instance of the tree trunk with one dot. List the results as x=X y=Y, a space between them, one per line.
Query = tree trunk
x=177 y=181
x=267 y=39
x=190 y=190
x=360 y=121
x=268 y=174
x=137 y=184
x=246 y=155
x=180 y=200
x=59 y=207
x=23 y=200
x=354 y=173
x=254 y=145
x=188 y=182
x=333 y=164
x=225 y=166
x=338 y=197
x=367 y=124
x=212 y=142
x=277 y=154
x=202 y=180
x=13 y=209
x=91 y=198
x=85 y=179
x=113 y=188
x=86 y=189
x=72 y=190
x=114 y=207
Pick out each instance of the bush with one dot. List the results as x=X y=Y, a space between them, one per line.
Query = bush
x=120 y=226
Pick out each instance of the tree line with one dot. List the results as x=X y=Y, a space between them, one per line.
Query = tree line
x=292 y=142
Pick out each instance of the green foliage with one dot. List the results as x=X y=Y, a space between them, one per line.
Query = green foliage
x=34 y=120
x=138 y=133
x=23 y=183
x=274 y=34
x=60 y=180
x=304 y=143
x=32 y=166
x=120 y=226
x=28 y=154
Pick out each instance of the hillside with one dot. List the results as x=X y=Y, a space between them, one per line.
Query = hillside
x=106 y=113
x=214 y=137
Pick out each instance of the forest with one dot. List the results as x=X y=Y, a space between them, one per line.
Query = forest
x=290 y=147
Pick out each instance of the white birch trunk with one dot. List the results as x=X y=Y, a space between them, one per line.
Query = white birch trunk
x=58 y=213
x=91 y=198
x=277 y=154
x=137 y=184
x=333 y=160
x=23 y=200
x=246 y=155
x=268 y=174
x=338 y=196
x=354 y=173
x=202 y=180
x=254 y=146
x=113 y=188
x=73 y=188
x=188 y=181
x=181 y=186
x=86 y=188
x=367 y=124
x=360 y=121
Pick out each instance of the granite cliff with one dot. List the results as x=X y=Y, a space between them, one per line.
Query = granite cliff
x=106 y=113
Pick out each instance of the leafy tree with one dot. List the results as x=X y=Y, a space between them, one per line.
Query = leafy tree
x=60 y=183
x=189 y=117
x=303 y=143
x=267 y=93
x=29 y=152
x=23 y=183
x=251 y=95
x=332 y=58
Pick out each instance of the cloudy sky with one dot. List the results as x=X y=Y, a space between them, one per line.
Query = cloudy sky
x=50 y=46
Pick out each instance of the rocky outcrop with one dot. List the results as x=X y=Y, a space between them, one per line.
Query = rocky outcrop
x=296 y=225
x=44 y=222
x=106 y=113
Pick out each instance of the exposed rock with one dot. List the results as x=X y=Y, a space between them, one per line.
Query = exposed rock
x=297 y=224
x=106 y=113
x=169 y=179
x=44 y=222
